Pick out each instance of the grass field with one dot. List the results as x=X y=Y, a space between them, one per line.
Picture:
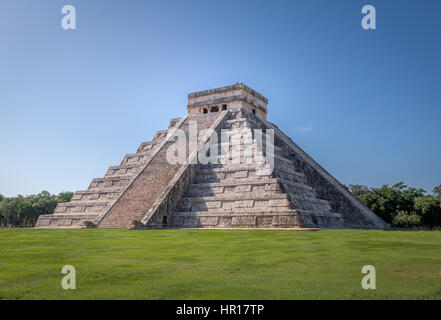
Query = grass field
x=215 y=264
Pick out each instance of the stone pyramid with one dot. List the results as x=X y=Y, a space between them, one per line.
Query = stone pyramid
x=240 y=189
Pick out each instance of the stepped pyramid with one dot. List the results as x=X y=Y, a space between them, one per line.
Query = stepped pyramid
x=251 y=184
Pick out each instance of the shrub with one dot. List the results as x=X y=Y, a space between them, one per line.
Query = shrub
x=406 y=220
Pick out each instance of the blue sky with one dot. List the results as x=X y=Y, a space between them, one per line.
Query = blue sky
x=365 y=104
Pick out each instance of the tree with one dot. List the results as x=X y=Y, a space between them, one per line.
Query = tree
x=44 y=203
x=64 y=196
x=2 y=219
x=44 y=194
x=429 y=207
x=437 y=191
x=9 y=209
x=406 y=220
x=26 y=213
x=25 y=210
x=387 y=201
x=358 y=190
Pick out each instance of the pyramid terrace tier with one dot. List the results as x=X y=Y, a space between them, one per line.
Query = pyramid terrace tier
x=65 y=221
x=263 y=184
x=96 y=195
x=236 y=200
x=279 y=161
x=110 y=182
x=277 y=218
x=84 y=207
x=136 y=158
x=241 y=171
x=254 y=184
x=245 y=146
x=125 y=169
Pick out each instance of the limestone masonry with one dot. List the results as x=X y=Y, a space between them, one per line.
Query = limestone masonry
x=147 y=191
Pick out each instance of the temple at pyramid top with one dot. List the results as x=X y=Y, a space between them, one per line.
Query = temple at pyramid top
x=237 y=96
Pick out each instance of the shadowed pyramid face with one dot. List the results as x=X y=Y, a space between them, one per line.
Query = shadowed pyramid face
x=216 y=169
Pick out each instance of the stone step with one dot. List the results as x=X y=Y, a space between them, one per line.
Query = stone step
x=241 y=172
x=231 y=220
x=149 y=146
x=160 y=135
x=251 y=182
x=228 y=148
x=236 y=120
x=227 y=168
x=243 y=122
x=145 y=146
x=124 y=166
x=246 y=126
x=293 y=184
x=287 y=174
x=234 y=199
x=256 y=211
x=305 y=199
x=136 y=158
x=242 y=138
x=298 y=189
x=306 y=203
x=239 y=196
x=141 y=156
x=88 y=207
x=65 y=220
x=237 y=176
x=126 y=169
x=286 y=162
x=173 y=122
x=249 y=185
x=96 y=195
x=234 y=202
x=256 y=219
x=110 y=182
x=244 y=212
x=115 y=177
x=255 y=160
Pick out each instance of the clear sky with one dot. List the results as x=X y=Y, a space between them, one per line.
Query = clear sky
x=364 y=104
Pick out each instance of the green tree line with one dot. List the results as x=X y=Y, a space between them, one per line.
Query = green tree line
x=24 y=211
x=402 y=206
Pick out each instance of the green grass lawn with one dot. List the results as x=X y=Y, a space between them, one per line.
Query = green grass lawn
x=216 y=264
